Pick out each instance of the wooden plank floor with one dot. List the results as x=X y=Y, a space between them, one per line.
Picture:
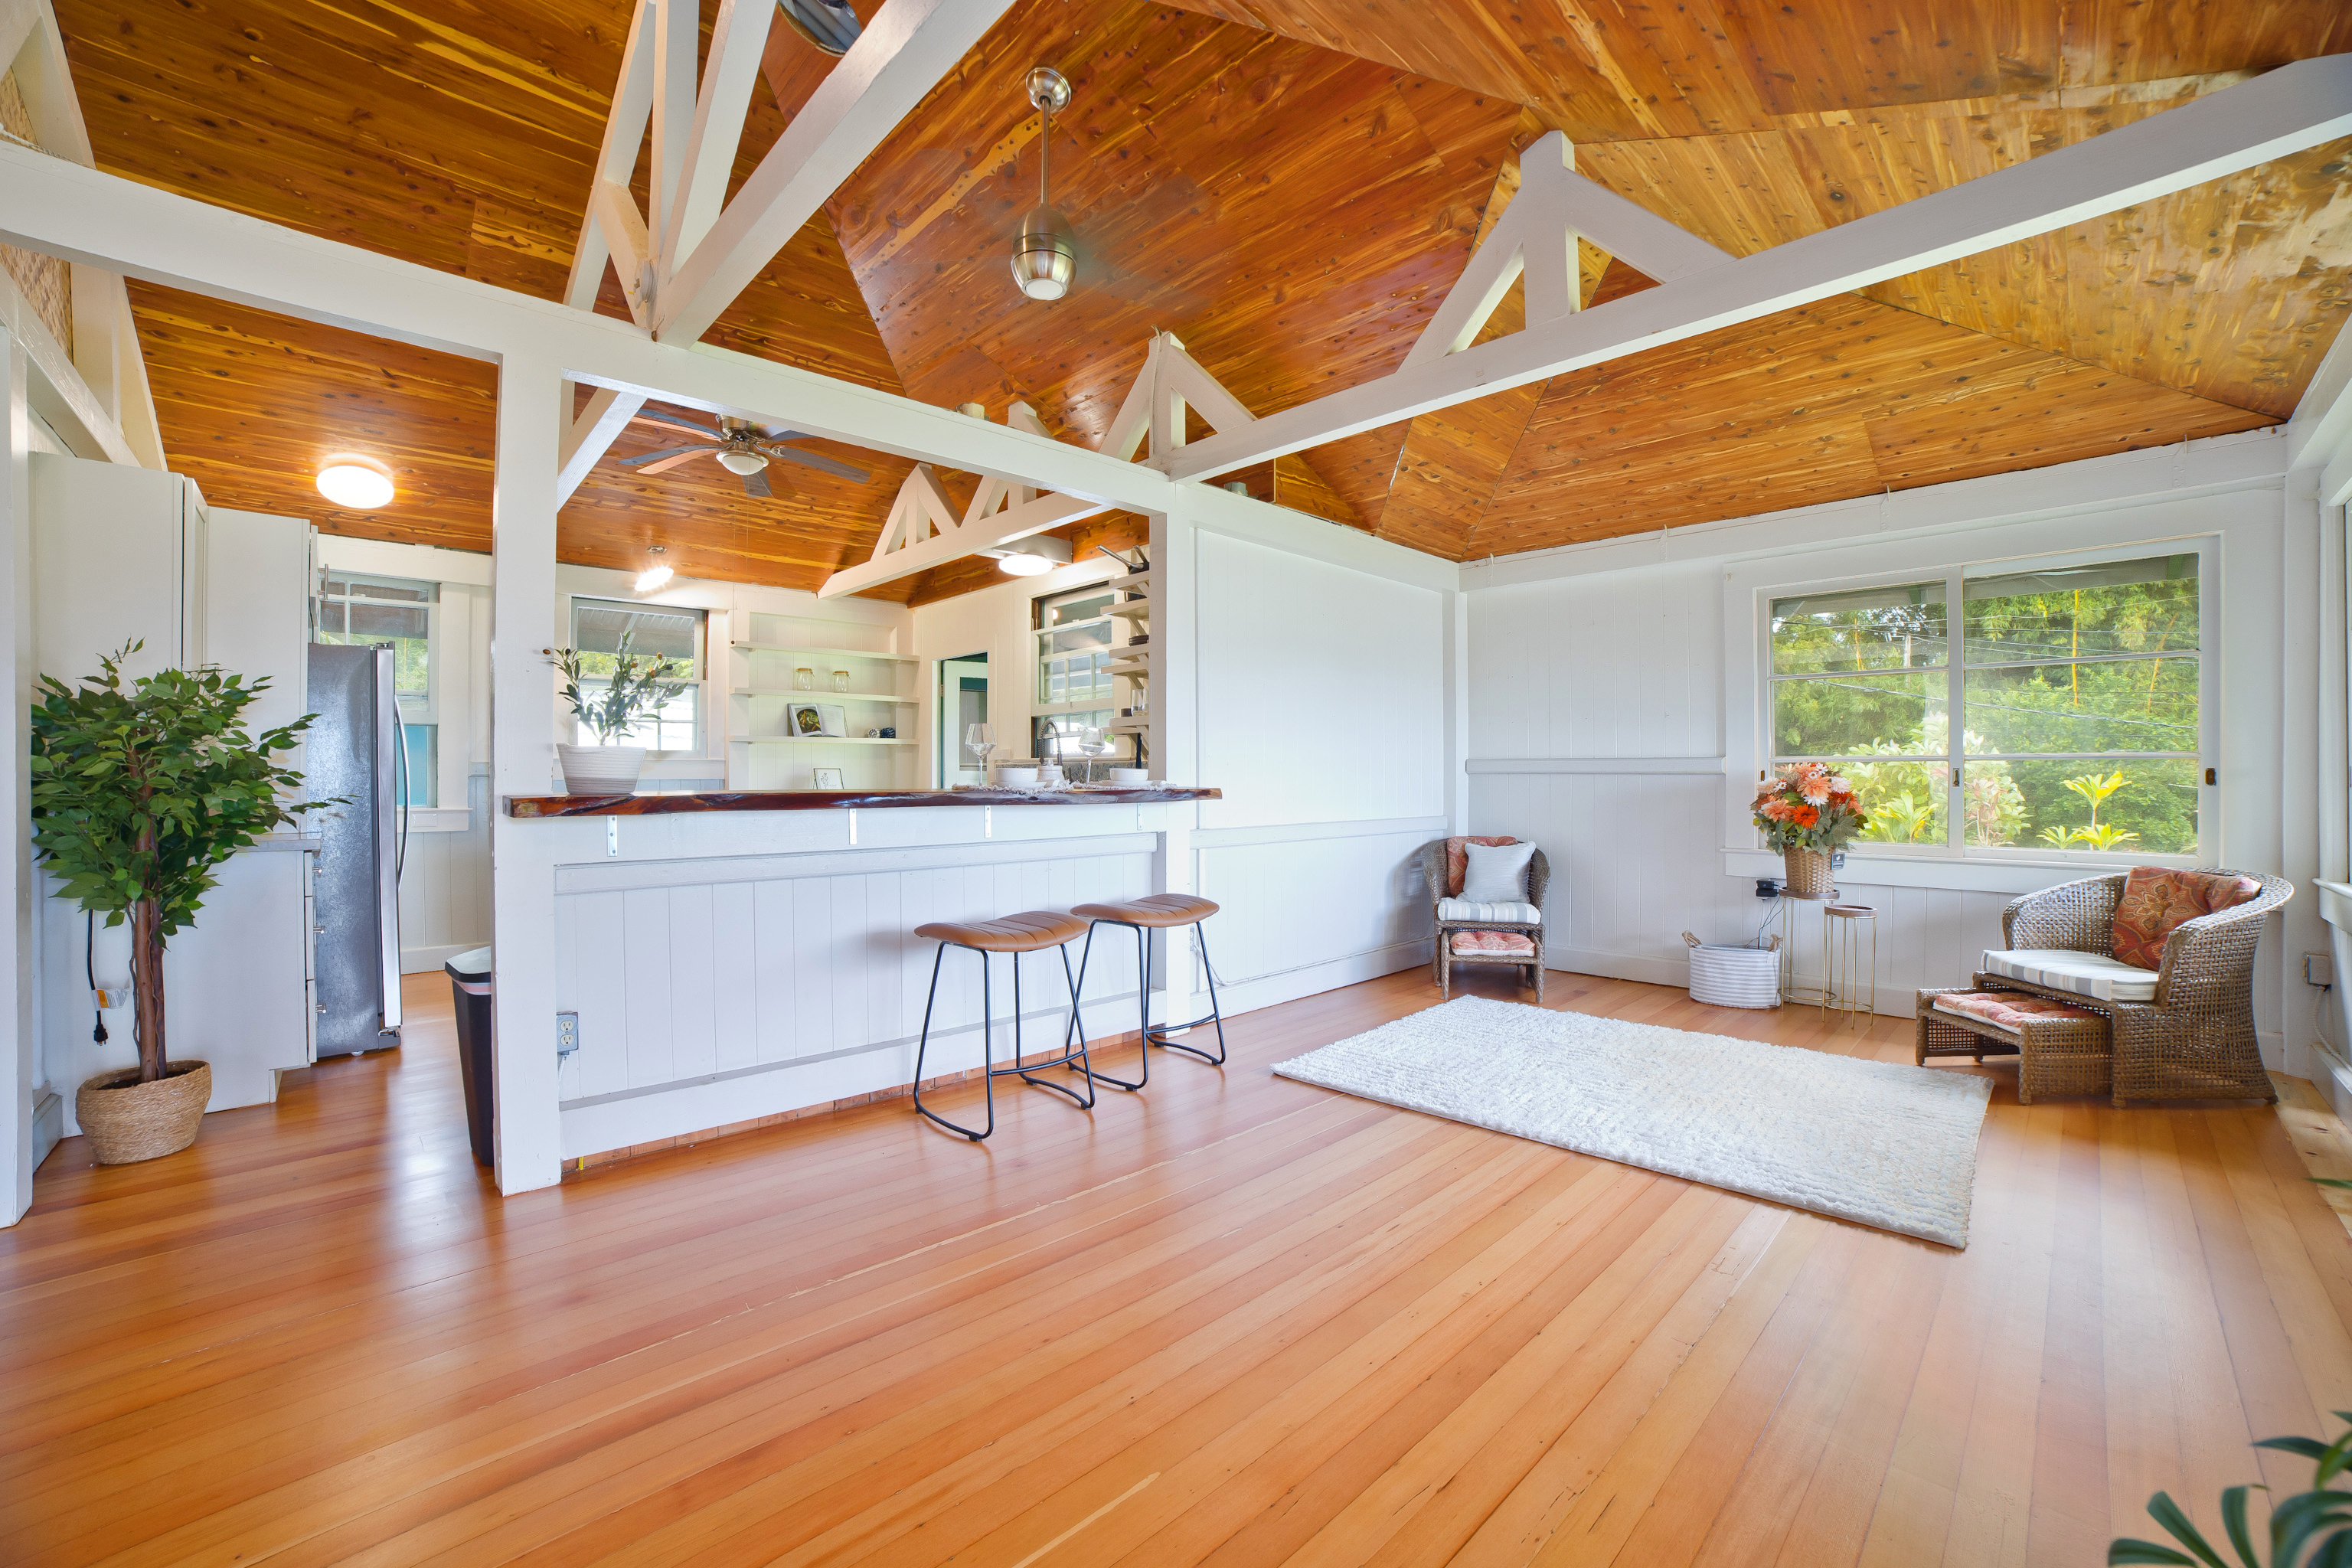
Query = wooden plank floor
x=1236 y=1320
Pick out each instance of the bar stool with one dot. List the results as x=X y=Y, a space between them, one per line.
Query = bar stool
x=1154 y=911
x=1029 y=931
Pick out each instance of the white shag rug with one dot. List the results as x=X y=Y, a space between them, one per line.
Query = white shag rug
x=1882 y=1143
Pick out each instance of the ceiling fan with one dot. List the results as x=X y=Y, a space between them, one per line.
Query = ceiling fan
x=741 y=447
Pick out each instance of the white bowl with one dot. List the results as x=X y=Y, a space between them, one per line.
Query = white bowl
x=1016 y=778
x=1130 y=775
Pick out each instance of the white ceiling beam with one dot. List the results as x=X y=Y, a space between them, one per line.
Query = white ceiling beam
x=678 y=35
x=738 y=40
x=899 y=56
x=1625 y=228
x=588 y=436
x=2292 y=109
x=987 y=534
x=616 y=161
x=103 y=220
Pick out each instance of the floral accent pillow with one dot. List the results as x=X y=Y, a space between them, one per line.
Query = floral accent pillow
x=1457 y=860
x=2156 y=900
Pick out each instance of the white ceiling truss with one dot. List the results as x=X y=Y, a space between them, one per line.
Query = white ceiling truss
x=2296 y=107
x=923 y=530
x=682 y=262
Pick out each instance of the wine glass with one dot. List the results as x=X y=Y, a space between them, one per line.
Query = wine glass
x=980 y=739
x=1096 y=746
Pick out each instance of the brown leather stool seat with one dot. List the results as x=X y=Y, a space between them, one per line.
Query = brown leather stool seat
x=1155 y=909
x=1031 y=930
x=1153 y=912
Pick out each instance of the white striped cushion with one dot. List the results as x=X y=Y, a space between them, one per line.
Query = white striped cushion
x=1464 y=909
x=2084 y=974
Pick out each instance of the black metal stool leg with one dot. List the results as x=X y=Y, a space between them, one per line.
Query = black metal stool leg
x=1026 y=1074
x=987 y=1059
x=1085 y=955
x=1216 y=1014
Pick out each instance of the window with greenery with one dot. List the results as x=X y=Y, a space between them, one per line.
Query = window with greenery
x=2079 y=689
x=1074 y=647
x=600 y=627
x=360 y=610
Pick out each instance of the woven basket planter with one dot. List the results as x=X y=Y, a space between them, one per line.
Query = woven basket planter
x=1807 y=874
x=126 y=1120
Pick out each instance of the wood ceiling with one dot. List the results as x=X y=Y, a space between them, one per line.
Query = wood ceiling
x=1289 y=185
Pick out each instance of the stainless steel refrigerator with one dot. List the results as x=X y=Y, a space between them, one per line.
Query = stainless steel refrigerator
x=353 y=751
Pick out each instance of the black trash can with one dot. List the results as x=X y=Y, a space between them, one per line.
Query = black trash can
x=469 y=978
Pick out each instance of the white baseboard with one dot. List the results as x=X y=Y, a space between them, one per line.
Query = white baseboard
x=426 y=960
x=48 y=1126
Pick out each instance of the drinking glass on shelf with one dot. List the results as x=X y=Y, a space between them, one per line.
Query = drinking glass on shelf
x=804 y=679
x=980 y=739
x=840 y=681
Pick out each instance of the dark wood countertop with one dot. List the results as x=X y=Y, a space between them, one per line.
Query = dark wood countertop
x=530 y=805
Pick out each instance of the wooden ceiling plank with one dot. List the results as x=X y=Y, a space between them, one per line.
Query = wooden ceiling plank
x=2297 y=107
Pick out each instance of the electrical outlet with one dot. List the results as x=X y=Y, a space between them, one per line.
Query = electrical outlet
x=2319 y=969
x=1766 y=888
x=567 y=1033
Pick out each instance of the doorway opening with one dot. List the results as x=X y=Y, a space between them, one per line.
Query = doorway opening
x=963 y=702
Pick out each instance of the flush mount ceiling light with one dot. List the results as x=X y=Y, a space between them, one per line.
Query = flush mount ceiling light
x=1044 y=257
x=654 y=576
x=742 y=462
x=1032 y=557
x=349 y=479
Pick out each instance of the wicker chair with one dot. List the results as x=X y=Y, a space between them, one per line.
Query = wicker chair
x=1434 y=869
x=2195 y=1038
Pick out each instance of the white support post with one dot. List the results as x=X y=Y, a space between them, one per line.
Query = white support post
x=19 y=1101
x=1175 y=740
x=522 y=884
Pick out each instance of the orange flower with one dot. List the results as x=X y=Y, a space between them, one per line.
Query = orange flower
x=1804 y=815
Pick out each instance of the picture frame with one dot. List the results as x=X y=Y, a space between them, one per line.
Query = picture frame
x=812 y=721
x=825 y=778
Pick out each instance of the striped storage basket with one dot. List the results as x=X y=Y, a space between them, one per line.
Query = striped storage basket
x=1735 y=977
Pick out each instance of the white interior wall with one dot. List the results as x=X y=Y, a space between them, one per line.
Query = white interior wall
x=1605 y=726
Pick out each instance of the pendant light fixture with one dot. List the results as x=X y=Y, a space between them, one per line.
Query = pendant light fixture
x=1044 y=258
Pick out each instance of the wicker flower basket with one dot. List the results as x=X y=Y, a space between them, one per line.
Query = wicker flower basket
x=126 y=1120
x=1807 y=874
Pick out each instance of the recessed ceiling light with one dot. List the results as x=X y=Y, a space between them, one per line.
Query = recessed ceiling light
x=656 y=575
x=348 y=479
x=1025 y=565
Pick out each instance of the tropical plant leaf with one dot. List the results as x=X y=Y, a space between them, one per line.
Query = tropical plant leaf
x=2176 y=1524
x=2122 y=1549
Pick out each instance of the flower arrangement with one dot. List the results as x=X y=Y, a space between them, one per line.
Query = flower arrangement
x=1807 y=807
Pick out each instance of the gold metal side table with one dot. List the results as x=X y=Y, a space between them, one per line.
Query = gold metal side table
x=1789 y=990
x=1846 y=985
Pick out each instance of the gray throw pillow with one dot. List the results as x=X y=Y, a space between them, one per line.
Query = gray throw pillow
x=1497 y=873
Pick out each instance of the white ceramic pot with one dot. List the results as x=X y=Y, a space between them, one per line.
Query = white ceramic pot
x=1131 y=777
x=601 y=770
x=1016 y=778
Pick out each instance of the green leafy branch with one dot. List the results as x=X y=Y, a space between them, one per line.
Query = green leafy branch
x=639 y=685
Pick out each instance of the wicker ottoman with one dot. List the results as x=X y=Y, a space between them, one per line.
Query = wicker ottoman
x=2056 y=1053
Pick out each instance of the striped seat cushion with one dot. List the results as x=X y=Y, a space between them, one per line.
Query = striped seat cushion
x=2008 y=1009
x=1464 y=909
x=2092 y=975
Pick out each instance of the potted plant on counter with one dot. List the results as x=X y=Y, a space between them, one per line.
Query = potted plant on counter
x=1807 y=813
x=137 y=795
x=635 y=687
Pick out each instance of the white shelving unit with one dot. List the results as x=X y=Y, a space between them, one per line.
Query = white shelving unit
x=761 y=689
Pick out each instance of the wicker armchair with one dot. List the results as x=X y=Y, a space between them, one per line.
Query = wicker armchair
x=1433 y=870
x=2195 y=1038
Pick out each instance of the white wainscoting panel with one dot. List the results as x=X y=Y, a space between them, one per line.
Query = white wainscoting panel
x=1303 y=915
x=445 y=888
x=678 y=980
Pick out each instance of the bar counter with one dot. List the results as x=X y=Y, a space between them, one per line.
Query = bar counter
x=543 y=805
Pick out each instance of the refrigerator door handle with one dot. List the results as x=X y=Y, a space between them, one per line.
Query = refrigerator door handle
x=387 y=846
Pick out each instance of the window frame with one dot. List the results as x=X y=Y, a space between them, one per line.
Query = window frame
x=1041 y=705
x=415 y=712
x=1955 y=577
x=706 y=744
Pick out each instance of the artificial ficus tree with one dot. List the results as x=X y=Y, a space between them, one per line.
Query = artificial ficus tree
x=139 y=794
